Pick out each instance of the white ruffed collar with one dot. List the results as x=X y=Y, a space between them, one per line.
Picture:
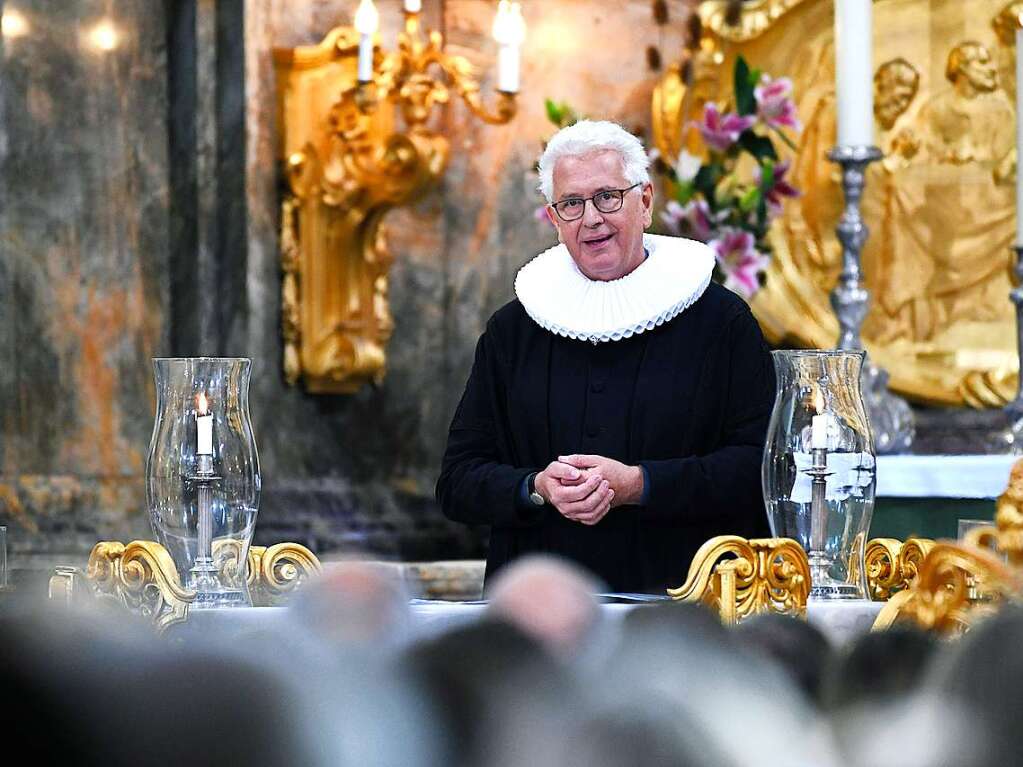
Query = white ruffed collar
x=563 y=300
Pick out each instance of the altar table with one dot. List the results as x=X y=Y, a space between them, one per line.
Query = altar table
x=839 y=620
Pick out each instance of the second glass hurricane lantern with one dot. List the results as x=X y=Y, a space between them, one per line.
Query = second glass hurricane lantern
x=819 y=467
x=202 y=475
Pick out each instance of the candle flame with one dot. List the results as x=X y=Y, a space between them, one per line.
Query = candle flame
x=367 y=19
x=818 y=401
x=201 y=404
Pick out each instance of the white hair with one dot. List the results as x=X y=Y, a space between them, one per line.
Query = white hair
x=586 y=137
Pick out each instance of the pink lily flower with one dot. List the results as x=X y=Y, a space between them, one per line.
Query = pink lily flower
x=739 y=260
x=774 y=104
x=721 y=131
x=780 y=189
x=693 y=219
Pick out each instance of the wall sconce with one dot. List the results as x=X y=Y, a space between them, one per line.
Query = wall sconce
x=347 y=163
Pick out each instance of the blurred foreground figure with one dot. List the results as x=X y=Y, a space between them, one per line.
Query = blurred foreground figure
x=551 y=600
x=617 y=409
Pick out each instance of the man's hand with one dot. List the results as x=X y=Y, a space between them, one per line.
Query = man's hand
x=625 y=481
x=577 y=495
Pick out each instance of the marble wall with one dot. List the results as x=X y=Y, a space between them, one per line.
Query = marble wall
x=138 y=217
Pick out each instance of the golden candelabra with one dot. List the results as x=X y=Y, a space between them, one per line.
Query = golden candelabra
x=141 y=577
x=346 y=164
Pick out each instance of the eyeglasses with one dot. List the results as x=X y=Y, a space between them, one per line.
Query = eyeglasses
x=607 y=201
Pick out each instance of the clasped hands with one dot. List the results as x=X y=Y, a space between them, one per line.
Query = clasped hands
x=584 y=488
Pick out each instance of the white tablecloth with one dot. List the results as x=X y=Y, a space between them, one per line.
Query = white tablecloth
x=943 y=476
x=840 y=620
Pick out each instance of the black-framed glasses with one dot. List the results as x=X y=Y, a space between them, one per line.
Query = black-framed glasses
x=607 y=201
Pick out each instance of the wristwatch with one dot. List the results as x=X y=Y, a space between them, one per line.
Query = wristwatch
x=534 y=497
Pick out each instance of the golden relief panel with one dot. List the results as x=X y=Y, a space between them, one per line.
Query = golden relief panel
x=940 y=207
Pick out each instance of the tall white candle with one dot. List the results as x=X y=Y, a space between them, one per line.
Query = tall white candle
x=508 y=68
x=1019 y=136
x=509 y=31
x=854 y=82
x=366 y=22
x=203 y=427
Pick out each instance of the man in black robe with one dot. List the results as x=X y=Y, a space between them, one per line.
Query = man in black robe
x=616 y=411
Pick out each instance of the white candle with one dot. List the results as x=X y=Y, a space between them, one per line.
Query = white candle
x=366 y=22
x=509 y=31
x=413 y=6
x=203 y=427
x=854 y=82
x=820 y=431
x=508 y=68
x=1019 y=137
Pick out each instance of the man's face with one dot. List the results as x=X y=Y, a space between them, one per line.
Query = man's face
x=892 y=96
x=979 y=70
x=605 y=246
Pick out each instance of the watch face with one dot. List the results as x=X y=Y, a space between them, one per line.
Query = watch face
x=536 y=498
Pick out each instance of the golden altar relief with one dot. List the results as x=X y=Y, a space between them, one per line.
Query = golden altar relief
x=940 y=207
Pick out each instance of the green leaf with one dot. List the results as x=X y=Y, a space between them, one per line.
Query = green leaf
x=766 y=176
x=750 y=199
x=745 y=103
x=760 y=147
x=684 y=192
x=706 y=179
x=554 y=113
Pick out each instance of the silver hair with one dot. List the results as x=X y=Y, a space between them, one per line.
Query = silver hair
x=588 y=136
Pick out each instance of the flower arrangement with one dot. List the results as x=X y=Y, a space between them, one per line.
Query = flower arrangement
x=729 y=195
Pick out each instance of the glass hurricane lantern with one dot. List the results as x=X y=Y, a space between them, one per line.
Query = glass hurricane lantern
x=819 y=466
x=202 y=475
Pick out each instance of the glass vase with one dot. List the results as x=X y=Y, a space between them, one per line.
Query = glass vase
x=202 y=475
x=819 y=470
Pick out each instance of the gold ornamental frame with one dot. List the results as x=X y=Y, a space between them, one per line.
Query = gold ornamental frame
x=940 y=207
x=140 y=576
x=347 y=161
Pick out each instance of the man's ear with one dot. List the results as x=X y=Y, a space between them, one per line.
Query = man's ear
x=648 y=205
x=553 y=218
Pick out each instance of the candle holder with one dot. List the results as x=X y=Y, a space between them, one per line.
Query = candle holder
x=890 y=415
x=202 y=475
x=819 y=469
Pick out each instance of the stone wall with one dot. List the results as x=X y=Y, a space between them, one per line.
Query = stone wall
x=139 y=192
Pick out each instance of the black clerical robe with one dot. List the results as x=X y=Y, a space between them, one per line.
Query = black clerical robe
x=689 y=401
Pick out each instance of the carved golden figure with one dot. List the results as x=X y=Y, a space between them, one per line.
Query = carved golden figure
x=940 y=207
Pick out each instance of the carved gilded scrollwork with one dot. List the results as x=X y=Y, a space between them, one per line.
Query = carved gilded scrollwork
x=346 y=164
x=892 y=565
x=754 y=18
x=141 y=577
x=275 y=572
x=740 y=577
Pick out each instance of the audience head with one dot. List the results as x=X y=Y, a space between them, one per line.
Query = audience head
x=794 y=644
x=549 y=599
x=355 y=603
x=879 y=666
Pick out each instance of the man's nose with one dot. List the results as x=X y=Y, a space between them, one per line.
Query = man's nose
x=592 y=216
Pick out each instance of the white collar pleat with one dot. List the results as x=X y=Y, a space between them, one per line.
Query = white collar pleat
x=563 y=300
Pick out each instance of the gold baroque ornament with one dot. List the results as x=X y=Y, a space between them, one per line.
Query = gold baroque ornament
x=739 y=577
x=346 y=164
x=141 y=577
x=940 y=208
x=892 y=565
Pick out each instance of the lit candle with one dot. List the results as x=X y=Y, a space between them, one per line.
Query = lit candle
x=1019 y=136
x=509 y=31
x=822 y=425
x=203 y=426
x=413 y=6
x=854 y=85
x=366 y=22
